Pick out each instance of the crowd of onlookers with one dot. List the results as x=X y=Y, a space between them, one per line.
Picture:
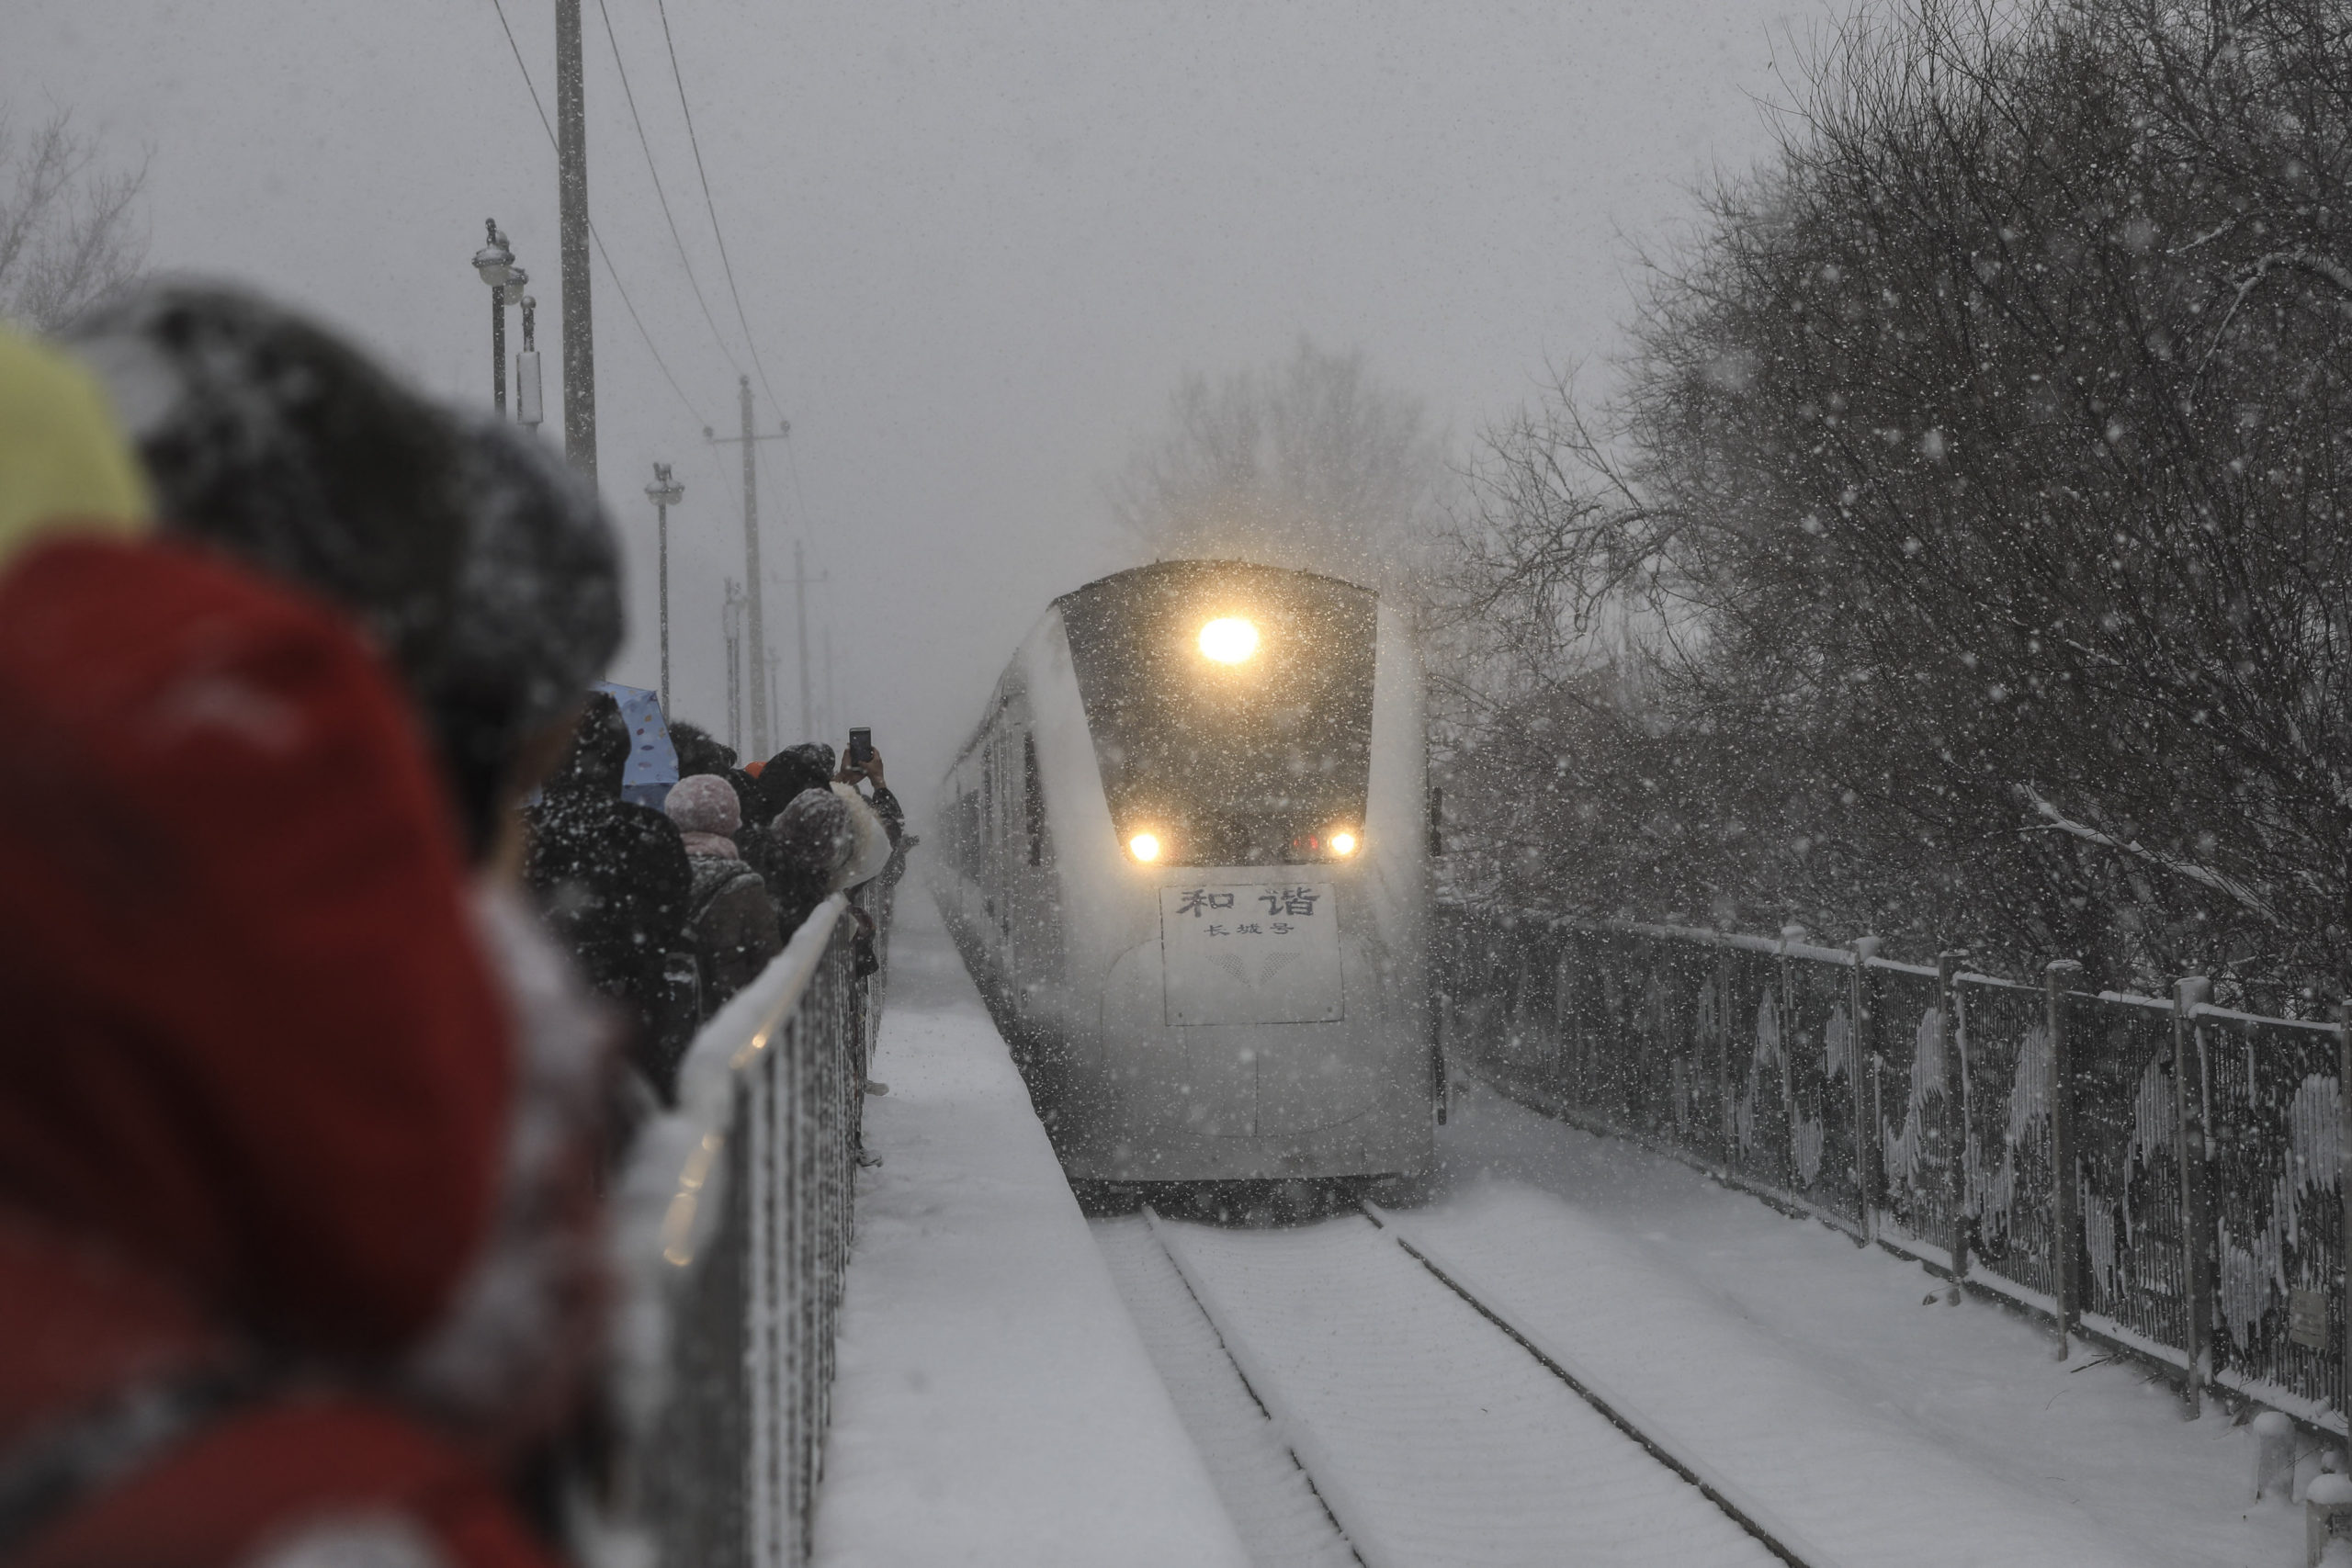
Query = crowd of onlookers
x=672 y=912
x=333 y=962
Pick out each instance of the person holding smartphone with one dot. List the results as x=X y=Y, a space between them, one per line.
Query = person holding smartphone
x=861 y=763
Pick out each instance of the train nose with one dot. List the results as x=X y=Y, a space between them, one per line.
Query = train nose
x=1250 y=1015
x=1313 y=1078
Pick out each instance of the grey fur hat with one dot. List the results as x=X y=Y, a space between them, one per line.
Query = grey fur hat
x=267 y=435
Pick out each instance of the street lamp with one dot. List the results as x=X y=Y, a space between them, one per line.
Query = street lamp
x=664 y=493
x=495 y=263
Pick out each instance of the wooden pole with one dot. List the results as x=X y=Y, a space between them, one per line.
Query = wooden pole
x=800 y=633
x=571 y=190
x=754 y=582
x=732 y=625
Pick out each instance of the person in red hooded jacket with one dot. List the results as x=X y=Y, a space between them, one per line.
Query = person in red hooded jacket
x=274 y=1128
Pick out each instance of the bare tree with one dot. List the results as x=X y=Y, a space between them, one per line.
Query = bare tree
x=67 y=234
x=1984 y=466
x=1308 y=463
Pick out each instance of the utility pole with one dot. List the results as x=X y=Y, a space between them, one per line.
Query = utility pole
x=571 y=159
x=759 y=737
x=801 y=632
x=776 y=723
x=664 y=493
x=832 y=692
x=759 y=630
x=731 y=622
x=800 y=582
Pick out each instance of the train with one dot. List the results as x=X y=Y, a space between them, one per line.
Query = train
x=1186 y=857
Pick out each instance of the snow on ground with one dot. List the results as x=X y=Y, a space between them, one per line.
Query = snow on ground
x=1283 y=1522
x=1435 y=1439
x=994 y=1403
x=1812 y=1373
x=998 y=1405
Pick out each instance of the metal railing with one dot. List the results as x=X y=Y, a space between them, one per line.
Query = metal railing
x=734 y=1224
x=2040 y=1147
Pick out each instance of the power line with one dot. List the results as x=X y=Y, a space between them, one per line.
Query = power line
x=659 y=194
x=678 y=77
x=615 y=273
x=526 y=70
x=622 y=289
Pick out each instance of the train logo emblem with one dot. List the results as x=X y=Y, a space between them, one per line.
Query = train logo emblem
x=1247 y=953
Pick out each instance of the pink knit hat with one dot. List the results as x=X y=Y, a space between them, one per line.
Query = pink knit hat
x=705 y=802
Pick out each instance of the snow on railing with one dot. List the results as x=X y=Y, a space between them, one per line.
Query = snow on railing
x=2039 y=1146
x=733 y=1234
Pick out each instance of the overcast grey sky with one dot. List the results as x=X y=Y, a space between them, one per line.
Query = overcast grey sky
x=977 y=244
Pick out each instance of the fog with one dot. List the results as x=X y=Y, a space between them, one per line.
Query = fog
x=975 y=244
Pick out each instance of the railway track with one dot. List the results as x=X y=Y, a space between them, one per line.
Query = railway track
x=1435 y=1427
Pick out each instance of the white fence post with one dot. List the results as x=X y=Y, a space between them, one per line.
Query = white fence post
x=1956 y=1106
x=1861 y=1067
x=1792 y=1170
x=2065 y=1200
x=2196 y=1224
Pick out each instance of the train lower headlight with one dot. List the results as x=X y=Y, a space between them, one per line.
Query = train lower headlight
x=1144 y=846
x=1228 y=639
x=1343 y=842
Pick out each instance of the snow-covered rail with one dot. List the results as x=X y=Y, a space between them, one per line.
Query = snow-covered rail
x=1652 y=1436
x=1402 y=1392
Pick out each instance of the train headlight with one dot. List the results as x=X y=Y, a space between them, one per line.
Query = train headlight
x=1144 y=846
x=1343 y=842
x=1228 y=639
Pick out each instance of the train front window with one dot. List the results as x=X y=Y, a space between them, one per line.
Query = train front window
x=1231 y=708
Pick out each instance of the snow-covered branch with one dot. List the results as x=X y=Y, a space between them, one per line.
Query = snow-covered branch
x=2204 y=876
x=2327 y=268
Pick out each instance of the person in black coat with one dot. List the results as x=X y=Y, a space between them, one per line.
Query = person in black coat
x=809 y=844
x=614 y=881
x=806 y=766
x=699 y=751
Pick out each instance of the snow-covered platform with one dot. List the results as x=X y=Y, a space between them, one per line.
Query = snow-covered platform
x=994 y=1403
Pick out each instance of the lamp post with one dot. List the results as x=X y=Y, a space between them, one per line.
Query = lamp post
x=530 y=404
x=495 y=263
x=664 y=493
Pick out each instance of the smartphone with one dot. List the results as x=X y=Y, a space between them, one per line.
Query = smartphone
x=861 y=747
